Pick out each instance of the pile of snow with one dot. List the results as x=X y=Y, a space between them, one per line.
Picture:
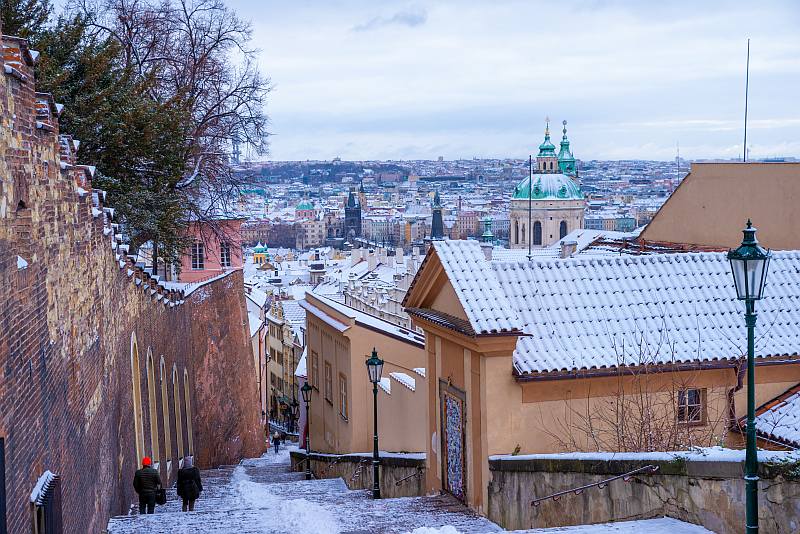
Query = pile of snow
x=697 y=454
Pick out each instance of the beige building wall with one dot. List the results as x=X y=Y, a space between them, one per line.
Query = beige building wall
x=714 y=201
x=344 y=345
x=549 y=213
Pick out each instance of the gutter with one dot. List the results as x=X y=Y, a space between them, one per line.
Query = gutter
x=653 y=368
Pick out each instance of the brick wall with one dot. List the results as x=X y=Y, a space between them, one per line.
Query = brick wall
x=71 y=301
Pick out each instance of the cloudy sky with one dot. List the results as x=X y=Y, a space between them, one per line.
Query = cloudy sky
x=372 y=79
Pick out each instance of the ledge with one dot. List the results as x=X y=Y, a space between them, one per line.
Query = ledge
x=389 y=459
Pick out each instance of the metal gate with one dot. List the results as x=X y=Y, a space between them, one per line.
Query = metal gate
x=453 y=440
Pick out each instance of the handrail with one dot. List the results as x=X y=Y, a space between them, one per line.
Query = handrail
x=412 y=475
x=601 y=484
x=357 y=472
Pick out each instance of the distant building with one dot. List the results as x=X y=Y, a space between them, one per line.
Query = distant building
x=549 y=204
x=437 y=224
x=352 y=216
x=212 y=252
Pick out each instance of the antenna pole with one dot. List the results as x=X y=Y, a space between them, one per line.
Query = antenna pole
x=746 y=91
x=530 y=205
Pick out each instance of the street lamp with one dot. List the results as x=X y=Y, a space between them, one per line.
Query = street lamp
x=306 y=392
x=749 y=265
x=374 y=367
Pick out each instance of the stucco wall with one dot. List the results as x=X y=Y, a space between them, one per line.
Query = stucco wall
x=707 y=493
x=714 y=201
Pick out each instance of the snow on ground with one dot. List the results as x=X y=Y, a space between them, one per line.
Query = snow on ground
x=699 y=454
x=664 y=525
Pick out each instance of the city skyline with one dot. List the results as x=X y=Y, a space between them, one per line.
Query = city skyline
x=398 y=80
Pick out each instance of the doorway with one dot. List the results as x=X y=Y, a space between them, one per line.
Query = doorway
x=453 y=432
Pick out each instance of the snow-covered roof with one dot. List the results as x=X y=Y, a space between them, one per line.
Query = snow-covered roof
x=780 y=419
x=477 y=287
x=606 y=312
x=404 y=379
x=368 y=321
x=301 y=364
x=255 y=323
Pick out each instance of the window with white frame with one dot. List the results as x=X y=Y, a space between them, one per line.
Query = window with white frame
x=225 y=254
x=198 y=256
x=343 y=396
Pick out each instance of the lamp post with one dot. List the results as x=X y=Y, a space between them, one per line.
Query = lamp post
x=749 y=265
x=306 y=392
x=374 y=367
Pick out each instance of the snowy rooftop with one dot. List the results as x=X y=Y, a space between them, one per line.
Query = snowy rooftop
x=605 y=312
x=366 y=320
x=780 y=419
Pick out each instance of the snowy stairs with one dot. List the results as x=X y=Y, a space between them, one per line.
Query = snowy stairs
x=262 y=496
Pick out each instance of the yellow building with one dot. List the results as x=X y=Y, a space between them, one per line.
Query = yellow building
x=339 y=341
x=560 y=355
x=260 y=254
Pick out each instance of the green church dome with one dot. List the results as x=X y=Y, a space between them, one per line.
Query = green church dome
x=554 y=186
x=305 y=205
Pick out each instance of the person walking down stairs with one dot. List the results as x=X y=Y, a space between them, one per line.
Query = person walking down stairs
x=147 y=482
x=189 y=486
x=276 y=441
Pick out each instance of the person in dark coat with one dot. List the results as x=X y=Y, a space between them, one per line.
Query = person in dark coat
x=276 y=441
x=189 y=485
x=146 y=482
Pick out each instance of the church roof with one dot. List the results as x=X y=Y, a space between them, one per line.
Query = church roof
x=554 y=186
x=305 y=204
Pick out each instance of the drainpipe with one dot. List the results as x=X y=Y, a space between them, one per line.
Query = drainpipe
x=740 y=371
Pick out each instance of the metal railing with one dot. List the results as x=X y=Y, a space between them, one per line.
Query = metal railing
x=409 y=477
x=359 y=468
x=649 y=469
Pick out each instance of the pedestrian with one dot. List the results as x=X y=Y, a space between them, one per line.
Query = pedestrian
x=276 y=441
x=189 y=485
x=147 y=482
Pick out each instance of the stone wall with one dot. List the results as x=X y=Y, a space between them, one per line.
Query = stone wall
x=707 y=493
x=71 y=304
x=399 y=476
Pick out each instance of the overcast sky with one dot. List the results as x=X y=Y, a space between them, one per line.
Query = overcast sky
x=370 y=79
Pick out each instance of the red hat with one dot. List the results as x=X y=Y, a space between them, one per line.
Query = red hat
x=147 y=461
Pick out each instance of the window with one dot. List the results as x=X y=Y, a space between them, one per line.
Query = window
x=516 y=232
x=225 y=254
x=562 y=230
x=691 y=405
x=343 y=396
x=328 y=383
x=189 y=432
x=136 y=387
x=314 y=369
x=537 y=233
x=198 y=255
x=46 y=501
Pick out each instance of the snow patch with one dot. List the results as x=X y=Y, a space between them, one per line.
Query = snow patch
x=21 y=263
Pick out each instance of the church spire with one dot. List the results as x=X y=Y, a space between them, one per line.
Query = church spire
x=566 y=161
x=546 y=149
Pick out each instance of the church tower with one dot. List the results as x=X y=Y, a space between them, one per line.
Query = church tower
x=549 y=204
x=352 y=217
x=437 y=224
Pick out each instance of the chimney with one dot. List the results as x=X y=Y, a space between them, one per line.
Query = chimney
x=487 y=249
x=398 y=255
x=568 y=248
x=372 y=260
x=415 y=252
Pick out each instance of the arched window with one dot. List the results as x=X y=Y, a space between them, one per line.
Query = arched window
x=165 y=410
x=186 y=396
x=516 y=232
x=176 y=400
x=152 y=406
x=562 y=229
x=551 y=165
x=136 y=387
x=537 y=233
x=523 y=234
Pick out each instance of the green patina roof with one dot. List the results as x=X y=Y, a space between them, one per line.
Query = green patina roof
x=549 y=186
x=547 y=148
x=305 y=205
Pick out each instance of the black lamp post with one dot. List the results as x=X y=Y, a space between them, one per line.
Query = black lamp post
x=306 y=392
x=374 y=367
x=749 y=264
